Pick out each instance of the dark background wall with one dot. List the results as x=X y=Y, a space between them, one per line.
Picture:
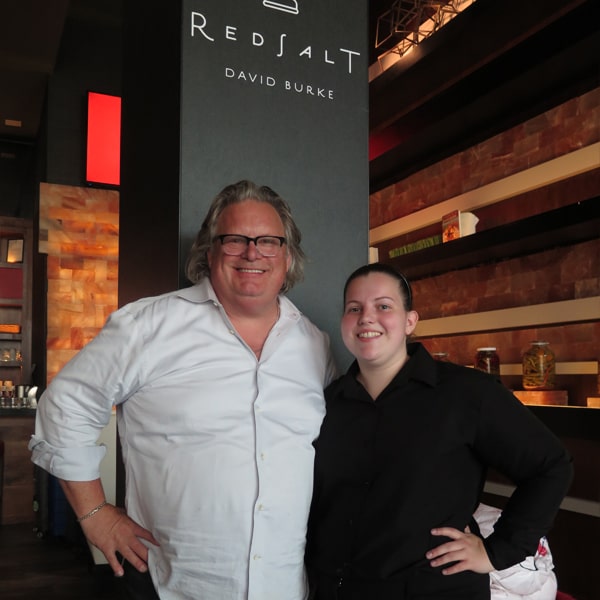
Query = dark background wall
x=89 y=60
x=282 y=99
x=197 y=122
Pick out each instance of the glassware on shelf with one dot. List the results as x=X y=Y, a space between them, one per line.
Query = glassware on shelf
x=443 y=356
x=539 y=366
x=10 y=355
x=7 y=394
x=487 y=360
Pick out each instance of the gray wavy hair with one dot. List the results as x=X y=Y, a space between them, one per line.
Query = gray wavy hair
x=197 y=268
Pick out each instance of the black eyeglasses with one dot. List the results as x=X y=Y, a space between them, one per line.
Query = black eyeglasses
x=235 y=245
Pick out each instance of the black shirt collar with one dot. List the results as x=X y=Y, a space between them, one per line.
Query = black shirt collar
x=420 y=367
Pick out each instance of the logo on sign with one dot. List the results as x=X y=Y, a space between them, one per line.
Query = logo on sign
x=291 y=6
x=272 y=48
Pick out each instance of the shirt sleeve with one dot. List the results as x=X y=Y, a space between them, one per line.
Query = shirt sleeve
x=78 y=403
x=513 y=441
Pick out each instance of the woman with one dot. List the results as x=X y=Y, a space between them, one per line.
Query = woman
x=401 y=463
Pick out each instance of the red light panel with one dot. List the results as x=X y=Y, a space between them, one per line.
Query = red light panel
x=103 y=139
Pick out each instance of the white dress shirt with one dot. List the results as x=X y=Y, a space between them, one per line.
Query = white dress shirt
x=217 y=445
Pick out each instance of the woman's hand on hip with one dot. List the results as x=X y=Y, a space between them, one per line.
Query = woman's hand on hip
x=465 y=549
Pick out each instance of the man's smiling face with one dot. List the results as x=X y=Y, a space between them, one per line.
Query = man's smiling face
x=249 y=282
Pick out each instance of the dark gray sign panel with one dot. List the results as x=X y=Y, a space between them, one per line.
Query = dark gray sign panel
x=277 y=92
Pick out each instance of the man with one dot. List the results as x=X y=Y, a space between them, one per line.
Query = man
x=219 y=395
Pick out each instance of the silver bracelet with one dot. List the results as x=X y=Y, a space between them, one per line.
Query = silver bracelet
x=92 y=512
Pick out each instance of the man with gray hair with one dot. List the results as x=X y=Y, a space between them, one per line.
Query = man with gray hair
x=219 y=396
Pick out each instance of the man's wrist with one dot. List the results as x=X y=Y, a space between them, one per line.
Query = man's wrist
x=92 y=512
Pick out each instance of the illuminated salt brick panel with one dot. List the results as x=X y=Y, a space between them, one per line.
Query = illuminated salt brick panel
x=555 y=275
x=578 y=342
x=79 y=231
x=568 y=127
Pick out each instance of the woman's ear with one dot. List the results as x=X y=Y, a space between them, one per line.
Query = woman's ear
x=412 y=318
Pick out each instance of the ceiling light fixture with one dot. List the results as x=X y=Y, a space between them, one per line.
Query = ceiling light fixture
x=13 y=123
x=411 y=21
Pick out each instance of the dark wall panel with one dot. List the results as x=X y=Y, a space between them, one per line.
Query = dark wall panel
x=277 y=92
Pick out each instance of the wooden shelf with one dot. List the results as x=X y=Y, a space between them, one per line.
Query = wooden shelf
x=10 y=364
x=518 y=317
x=16 y=298
x=543 y=397
x=17 y=412
x=10 y=337
x=570 y=421
x=589 y=367
x=11 y=302
x=567 y=225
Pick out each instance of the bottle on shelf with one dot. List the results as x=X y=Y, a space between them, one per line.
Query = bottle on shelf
x=539 y=366
x=487 y=360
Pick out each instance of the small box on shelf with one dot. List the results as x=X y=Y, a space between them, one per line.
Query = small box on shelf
x=10 y=328
x=14 y=251
x=11 y=250
x=451 y=226
x=457 y=224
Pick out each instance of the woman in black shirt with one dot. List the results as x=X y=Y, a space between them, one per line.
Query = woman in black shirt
x=401 y=462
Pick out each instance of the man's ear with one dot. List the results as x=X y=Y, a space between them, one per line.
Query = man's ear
x=288 y=262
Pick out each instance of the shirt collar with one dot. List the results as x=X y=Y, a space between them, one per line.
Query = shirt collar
x=420 y=366
x=203 y=292
x=200 y=292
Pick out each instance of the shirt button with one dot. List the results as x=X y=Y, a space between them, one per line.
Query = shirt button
x=257 y=557
x=260 y=507
x=232 y=332
x=262 y=456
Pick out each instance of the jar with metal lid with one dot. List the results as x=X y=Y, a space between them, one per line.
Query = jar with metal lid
x=487 y=360
x=539 y=367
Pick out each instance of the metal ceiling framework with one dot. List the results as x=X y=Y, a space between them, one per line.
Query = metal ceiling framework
x=412 y=21
x=489 y=68
x=496 y=65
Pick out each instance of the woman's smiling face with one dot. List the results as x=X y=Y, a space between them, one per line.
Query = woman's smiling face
x=375 y=323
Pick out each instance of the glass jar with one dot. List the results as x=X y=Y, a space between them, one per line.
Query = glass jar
x=487 y=360
x=443 y=356
x=539 y=367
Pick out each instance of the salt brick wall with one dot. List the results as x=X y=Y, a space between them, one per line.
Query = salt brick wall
x=557 y=274
x=79 y=230
x=572 y=125
x=551 y=276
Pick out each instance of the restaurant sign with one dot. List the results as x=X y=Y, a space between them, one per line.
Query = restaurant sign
x=294 y=46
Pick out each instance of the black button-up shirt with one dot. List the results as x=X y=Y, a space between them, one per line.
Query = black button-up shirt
x=389 y=470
